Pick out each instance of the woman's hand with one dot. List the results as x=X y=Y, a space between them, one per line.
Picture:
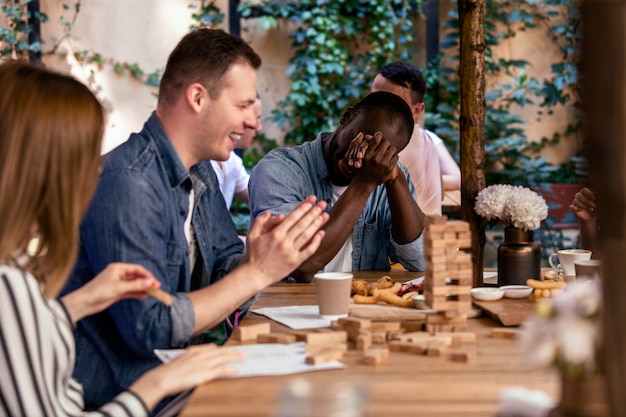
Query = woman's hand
x=115 y=282
x=584 y=205
x=278 y=245
x=196 y=365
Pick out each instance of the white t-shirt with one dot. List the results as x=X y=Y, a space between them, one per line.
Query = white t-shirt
x=421 y=159
x=231 y=176
x=342 y=262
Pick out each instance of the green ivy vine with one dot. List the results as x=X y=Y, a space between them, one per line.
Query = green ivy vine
x=338 y=47
x=511 y=157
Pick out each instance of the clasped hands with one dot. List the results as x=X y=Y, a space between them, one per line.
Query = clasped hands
x=372 y=158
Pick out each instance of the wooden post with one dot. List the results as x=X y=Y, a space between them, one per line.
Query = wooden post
x=472 y=123
x=604 y=86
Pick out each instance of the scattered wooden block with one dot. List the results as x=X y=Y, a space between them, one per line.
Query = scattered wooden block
x=385 y=326
x=376 y=356
x=364 y=341
x=324 y=356
x=464 y=354
x=283 y=338
x=441 y=318
x=392 y=334
x=504 y=333
x=412 y=326
x=354 y=322
x=408 y=347
x=379 y=338
x=315 y=349
x=250 y=331
x=436 y=349
x=459 y=338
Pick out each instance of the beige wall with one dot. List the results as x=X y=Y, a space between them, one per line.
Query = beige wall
x=144 y=32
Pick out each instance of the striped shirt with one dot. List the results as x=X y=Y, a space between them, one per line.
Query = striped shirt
x=37 y=353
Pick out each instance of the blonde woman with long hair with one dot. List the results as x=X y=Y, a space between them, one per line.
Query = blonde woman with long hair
x=51 y=128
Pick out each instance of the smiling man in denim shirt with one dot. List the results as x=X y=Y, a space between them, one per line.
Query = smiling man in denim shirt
x=158 y=204
x=373 y=213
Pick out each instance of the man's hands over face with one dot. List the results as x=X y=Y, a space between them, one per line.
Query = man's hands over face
x=371 y=159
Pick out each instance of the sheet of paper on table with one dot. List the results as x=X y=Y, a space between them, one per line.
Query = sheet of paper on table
x=295 y=317
x=264 y=359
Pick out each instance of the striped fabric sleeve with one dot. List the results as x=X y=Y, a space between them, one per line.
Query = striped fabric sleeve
x=37 y=353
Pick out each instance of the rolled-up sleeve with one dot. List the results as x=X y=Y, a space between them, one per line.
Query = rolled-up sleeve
x=411 y=255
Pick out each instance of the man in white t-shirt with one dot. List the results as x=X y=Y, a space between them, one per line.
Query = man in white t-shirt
x=431 y=171
x=232 y=176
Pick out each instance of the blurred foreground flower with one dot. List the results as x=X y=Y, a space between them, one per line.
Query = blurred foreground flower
x=566 y=332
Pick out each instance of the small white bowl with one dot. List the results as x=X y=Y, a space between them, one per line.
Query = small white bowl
x=487 y=293
x=516 y=291
x=420 y=302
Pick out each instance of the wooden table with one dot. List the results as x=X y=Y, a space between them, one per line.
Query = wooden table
x=406 y=385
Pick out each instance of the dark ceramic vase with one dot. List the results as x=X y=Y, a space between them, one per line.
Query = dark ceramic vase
x=519 y=257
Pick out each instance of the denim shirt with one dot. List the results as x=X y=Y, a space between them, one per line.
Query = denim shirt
x=137 y=216
x=285 y=176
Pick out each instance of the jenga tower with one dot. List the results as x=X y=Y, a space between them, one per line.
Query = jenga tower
x=448 y=279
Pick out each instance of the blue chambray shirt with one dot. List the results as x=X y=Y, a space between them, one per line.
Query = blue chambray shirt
x=285 y=176
x=137 y=216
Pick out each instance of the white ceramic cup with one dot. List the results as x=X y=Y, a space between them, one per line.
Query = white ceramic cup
x=333 y=293
x=567 y=257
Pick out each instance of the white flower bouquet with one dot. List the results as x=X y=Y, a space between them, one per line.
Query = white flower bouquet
x=565 y=331
x=520 y=206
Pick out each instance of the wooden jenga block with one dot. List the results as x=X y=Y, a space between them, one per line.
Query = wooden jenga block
x=436 y=349
x=451 y=290
x=504 y=333
x=250 y=331
x=434 y=219
x=283 y=338
x=385 y=326
x=457 y=226
x=430 y=251
x=409 y=347
x=392 y=334
x=441 y=318
x=450 y=305
x=327 y=338
x=314 y=349
x=376 y=356
x=379 y=338
x=300 y=335
x=324 y=356
x=354 y=322
x=430 y=236
x=413 y=336
x=364 y=341
x=460 y=338
x=412 y=325
x=436 y=228
x=464 y=354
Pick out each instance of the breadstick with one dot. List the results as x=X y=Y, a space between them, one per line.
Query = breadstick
x=545 y=285
x=409 y=295
x=363 y=299
x=394 y=299
x=160 y=295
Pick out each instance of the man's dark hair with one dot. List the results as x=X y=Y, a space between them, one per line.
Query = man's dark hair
x=407 y=75
x=398 y=113
x=204 y=56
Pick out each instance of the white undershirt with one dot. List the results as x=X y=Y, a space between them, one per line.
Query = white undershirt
x=342 y=262
x=190 y=233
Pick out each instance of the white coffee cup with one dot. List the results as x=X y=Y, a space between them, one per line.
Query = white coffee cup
x=333 y=293
x=567 y=257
